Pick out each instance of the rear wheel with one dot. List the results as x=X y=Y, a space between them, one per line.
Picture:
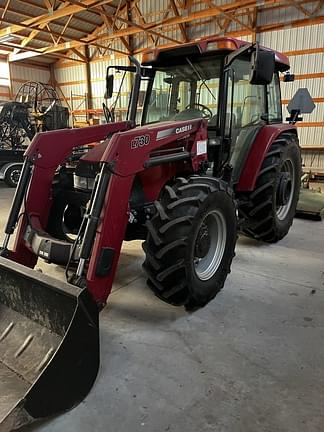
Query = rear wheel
x=267 y=213
x=191 y=241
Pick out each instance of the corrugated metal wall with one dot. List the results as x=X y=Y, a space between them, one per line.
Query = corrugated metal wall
x=308 y=66
x=20 y=73
x=4 y=93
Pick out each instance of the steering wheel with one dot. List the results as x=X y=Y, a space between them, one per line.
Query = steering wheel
x=109 y=115
x=206 y=112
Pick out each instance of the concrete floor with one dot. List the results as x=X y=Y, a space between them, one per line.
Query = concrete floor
x=251 y=361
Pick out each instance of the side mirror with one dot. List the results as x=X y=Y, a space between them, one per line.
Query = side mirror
x=262 y=67
x=109 y=86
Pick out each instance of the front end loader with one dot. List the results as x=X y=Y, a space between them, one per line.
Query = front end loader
x=210 y=145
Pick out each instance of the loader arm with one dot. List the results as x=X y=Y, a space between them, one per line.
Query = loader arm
x=47 y=151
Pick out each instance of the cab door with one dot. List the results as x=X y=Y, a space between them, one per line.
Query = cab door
x=246 y=113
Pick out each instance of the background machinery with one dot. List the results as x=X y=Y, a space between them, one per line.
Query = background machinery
x=177 y=177
x=36 y=108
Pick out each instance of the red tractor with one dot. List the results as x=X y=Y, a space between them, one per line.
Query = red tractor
x=206 y=153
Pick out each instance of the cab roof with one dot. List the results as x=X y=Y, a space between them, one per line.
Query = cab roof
x=207 y=45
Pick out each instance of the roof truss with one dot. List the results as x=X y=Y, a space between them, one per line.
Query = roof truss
x=114 y=23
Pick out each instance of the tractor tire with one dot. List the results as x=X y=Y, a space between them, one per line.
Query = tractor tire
x=12 y=175
x=191 y=241
x=267 y=213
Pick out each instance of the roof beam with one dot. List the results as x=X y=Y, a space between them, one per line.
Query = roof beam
x=117 y=12
x=64 y=28
x=49 y=6
x=47 y=18
x=89 y=40
x=228 y=15
x=318 y=8
x=29 y=15
x=39 y=36
x=146 y=29
x=205 y=13
x=138 y=26
x=79 y=54
x=5 y=10
x=32 y=52
x=43 y=8
x=299 y=7
x=142 y=21
x=35 y=32
x=165 y=16
x=181 y=26
x=226 y=10
x=110 y=23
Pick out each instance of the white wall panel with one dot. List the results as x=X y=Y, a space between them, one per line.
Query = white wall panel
x=280 y=15
x=24 y=72
x=314 y=86
x=4 y=93
x=311 y=136
x=297 y=39
x=307 y=63
x=70 y=74
x=292 y=39
x=313 y=160
x=20 y=73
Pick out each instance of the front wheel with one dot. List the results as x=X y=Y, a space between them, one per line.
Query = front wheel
x=268 y=212
x=191 y=241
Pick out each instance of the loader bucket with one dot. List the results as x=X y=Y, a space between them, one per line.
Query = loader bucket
x=49 y=345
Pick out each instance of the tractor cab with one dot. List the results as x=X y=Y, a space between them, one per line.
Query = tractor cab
x=232 y=85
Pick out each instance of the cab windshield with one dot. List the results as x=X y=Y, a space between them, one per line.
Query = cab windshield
x=185 y=91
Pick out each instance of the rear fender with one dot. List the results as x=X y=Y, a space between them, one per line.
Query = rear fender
x=259 y=149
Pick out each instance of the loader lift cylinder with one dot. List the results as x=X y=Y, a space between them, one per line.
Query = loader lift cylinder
x=17 y=201
x=93 y=217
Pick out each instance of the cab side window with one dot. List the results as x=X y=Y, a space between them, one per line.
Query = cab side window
x=248 y=100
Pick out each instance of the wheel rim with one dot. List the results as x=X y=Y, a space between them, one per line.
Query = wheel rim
x=14 y=176
x=288 y=169
x=210 y=245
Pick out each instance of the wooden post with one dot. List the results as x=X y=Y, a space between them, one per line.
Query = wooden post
x=89 y=99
